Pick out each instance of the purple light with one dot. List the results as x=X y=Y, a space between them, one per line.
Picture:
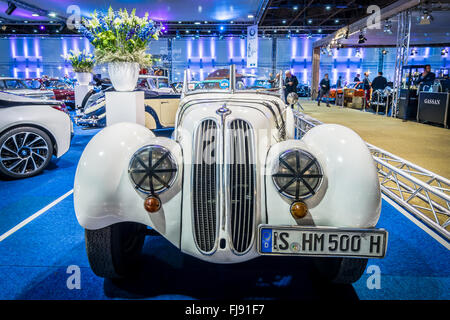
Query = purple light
x=42 y=27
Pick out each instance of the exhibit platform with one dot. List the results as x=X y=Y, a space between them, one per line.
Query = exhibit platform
x=422 y=144
x=41 y=239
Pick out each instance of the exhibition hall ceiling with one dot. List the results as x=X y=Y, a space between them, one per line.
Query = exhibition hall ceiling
x=437 y=32
x=164 y=10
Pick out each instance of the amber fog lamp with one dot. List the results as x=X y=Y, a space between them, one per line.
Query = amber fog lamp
x=152 y=204
x=299 y=209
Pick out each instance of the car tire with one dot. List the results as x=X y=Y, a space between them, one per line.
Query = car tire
x=114 y=251
x=24 y=152
x=341 y=270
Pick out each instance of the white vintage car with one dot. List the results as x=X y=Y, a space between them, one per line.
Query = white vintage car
x=231 y=186
x=31 y=132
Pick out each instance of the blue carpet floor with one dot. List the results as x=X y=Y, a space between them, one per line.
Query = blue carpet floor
x=35 y=259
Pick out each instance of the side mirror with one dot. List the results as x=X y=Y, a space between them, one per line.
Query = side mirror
x=292 y=98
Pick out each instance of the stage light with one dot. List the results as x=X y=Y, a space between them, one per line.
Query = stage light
x=42 y=27
x=384 y=52
x=362 y=39
x=52 y=14
x=10 y=9
x=328 y=7
x=444 y=52
x=414 y=52
x=35 y=15
x=250 y=16
x=284 y=21
x=336 y=21
x=426 y=17
x=179 y=22
x=196 y=23
x=320 y=30
x=187 y=31
x=221 y=28
x=310 y=21
x=231 y=21
x=387 y=27
x=295 y=8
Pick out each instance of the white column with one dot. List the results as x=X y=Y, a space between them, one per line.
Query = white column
x=80 y=93
x=125 y=107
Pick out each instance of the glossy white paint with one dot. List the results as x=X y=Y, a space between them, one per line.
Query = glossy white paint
x=350 y=193
x=348 y=197
x=56 y=122
x=103 y=193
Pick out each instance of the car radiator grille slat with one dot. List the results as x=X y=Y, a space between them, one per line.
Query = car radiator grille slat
x=204 y=195
x=242 y=173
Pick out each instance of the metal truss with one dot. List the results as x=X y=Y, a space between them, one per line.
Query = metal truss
x=403 y=38
x=421 y=192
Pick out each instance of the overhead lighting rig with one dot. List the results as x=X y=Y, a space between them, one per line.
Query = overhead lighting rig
x=11 y=8
x=426 y=17
x=362 y=38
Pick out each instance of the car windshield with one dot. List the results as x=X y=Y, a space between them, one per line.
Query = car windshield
x=219 y=80
x=33 y=84
x=163 y=83
x=56 y=84
x=14 y=84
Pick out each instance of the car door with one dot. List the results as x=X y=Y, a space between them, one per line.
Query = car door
x=152 y=107
x=169 y=107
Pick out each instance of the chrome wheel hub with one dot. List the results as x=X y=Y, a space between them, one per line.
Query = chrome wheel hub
x=24 y=153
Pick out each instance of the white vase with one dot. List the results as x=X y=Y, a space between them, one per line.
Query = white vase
x=84 y=78
x=123 y=75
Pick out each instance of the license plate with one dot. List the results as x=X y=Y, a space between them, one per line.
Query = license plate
x=322 y=241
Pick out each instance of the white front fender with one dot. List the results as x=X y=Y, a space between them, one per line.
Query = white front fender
x=351 y=194
x=103 y=192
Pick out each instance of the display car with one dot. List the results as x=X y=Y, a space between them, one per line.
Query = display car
x=62 y=90
x=19 y=87
x=161 y=101
x=31 y=132
x=353 y=89
x=232 y=185
x=161 y=104
x=304 y=90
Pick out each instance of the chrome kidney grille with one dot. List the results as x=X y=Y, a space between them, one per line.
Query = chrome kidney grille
x=242 y=175
x=204 y=189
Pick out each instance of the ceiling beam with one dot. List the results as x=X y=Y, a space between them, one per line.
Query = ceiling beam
x=260 y=20
x=301 y=12
x=386 y=13
x=336 y=12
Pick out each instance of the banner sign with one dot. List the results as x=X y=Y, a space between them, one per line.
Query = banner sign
x=252 y=46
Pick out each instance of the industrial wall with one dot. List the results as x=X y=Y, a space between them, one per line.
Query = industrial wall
x=36 y=56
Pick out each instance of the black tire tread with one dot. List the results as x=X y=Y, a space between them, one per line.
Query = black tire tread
x=6 y=174
x=99 y=252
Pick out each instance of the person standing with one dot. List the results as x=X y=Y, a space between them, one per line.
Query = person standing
x=357 y=78
x=291 y=83
x=366 y=87
x=379 y=82
x=427 y=77
x=339 y=83
x=324 y=90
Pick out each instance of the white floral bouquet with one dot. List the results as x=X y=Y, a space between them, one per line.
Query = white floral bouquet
x=120 y=37
x=81 y=61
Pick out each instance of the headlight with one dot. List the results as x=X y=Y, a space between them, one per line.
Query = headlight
x=152 y=169
x=298 y=175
